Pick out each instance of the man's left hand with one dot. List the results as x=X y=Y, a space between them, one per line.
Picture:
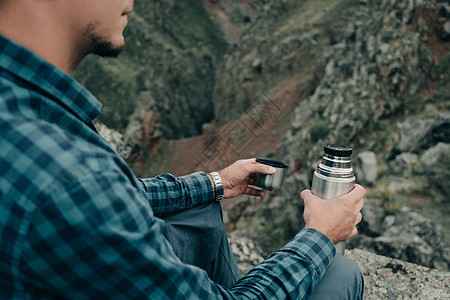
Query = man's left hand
x=237 y=177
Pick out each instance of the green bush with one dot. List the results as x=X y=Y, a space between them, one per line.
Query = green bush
x=319 y=130
x=443 y=68
x=440 y=98
x=389 y=200
x=425 y=57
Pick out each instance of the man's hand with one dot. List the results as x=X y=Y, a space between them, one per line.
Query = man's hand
x=237 y=177
x=336 y=218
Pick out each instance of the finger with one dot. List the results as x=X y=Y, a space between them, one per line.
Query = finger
x=261 y=168
x=354 y=232
x=306 y=194
x=249 y=161
x=359 y=204
x=355 y=195
x=359 y=191
x=252 y=180
x=358 y=218
x=253 y=192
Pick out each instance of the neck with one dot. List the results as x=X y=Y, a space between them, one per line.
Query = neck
x=36 y=26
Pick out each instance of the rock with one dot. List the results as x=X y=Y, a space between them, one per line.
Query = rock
x=373 y=215
x=388 y=278
x=257 y=65
x=403 y=163
x=409 y=236
x=401 y=184
x=124 y=146
x=432 y=155
x=441 y=128
x=384 y=277
x=247 y=253
x=366 y=172
x=446 y=28
x=413 y=134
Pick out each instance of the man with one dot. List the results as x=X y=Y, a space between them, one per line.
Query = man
x=76 y=223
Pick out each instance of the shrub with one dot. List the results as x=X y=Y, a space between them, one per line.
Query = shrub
x=425 y=56
x=319 y=130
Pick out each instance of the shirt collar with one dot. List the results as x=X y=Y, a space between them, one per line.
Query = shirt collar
x=30 y=67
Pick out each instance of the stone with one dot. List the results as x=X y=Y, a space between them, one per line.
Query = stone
x=432 y=155
x=411 y=237
x=402 y=184
x=373 y=214
x=248 y=254
x=384 y=277
x=441 y=128
x=413 y=134
x=446 y=28
x=124 y=146
x=366 y=172
x=403 y=163
x=388 y=278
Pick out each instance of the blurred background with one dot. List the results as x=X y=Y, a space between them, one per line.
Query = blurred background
x=204 y=83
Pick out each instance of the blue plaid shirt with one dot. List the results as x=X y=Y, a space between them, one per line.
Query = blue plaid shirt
x=76 y=223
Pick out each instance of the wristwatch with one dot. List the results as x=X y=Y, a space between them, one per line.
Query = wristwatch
x=218 y=186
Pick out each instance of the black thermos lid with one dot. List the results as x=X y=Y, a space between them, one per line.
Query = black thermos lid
x=272 y=162
x=338 y=150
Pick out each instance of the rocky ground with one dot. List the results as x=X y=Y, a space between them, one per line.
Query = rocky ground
x=388 y=278
x=384 y=277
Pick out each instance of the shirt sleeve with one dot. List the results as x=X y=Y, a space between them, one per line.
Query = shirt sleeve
x=167 y=193
x=97 y=238
x=291 y=272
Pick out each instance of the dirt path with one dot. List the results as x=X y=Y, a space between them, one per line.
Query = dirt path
x=257 y=133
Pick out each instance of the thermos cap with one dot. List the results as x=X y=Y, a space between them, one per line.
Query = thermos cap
x=272 y=162
x=270 y=181
x=338 y=150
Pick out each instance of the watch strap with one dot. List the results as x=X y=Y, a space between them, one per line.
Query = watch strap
x=218 y=186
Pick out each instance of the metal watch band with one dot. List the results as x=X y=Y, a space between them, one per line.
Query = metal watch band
x=218 y=186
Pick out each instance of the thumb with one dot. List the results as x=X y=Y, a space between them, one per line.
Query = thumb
x=261 y=168
x=307 y=196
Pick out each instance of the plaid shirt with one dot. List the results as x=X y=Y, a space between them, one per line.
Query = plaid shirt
x=76 y=223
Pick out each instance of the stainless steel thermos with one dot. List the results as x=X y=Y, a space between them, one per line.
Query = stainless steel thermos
x=334 y=177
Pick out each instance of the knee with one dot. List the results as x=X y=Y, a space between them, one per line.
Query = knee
x=351 y=275
x=342 y=280
x=348 y=267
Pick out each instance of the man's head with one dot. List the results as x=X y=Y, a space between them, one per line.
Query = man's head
x=64 y=31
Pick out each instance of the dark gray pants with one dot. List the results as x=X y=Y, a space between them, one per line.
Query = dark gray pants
x=198 y=238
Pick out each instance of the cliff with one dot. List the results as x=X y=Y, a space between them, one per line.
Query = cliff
x=280 y=79
x=166 y=74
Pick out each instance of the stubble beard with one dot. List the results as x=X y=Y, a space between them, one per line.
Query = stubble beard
x=100 y=45
x=105 y=48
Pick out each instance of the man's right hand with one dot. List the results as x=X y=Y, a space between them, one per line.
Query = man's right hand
x=336 y=218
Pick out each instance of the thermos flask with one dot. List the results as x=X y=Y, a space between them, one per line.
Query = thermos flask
x=334 y=177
